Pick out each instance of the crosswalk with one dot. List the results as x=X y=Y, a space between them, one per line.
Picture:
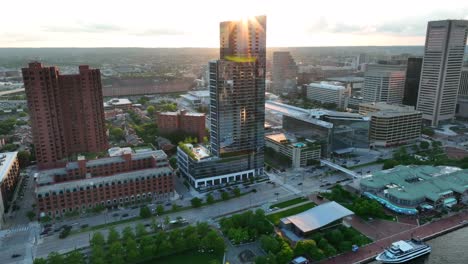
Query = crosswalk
x=19 y=228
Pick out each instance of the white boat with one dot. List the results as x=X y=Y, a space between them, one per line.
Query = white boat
x=403 y=251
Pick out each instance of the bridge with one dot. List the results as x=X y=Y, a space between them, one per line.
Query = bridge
x=340 y=168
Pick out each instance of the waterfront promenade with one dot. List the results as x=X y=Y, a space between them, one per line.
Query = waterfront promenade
x=427 y=231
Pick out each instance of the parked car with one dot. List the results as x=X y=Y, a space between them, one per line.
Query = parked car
x=15 y=255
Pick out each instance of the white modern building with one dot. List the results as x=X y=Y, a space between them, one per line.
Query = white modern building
x=300 y=153
x=384 y=83
x=441 y=69
x=329 y=92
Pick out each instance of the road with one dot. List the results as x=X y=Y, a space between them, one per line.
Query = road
x=12 y=91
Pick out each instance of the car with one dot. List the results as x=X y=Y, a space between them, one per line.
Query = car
x=15 y=255
x=299 y=183
x=44 y=233
x=147 y=225
x=168 y=204
x=125 y=215
x=115 y=215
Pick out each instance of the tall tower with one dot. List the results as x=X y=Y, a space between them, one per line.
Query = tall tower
x=384 y=83
x=67 y=113
x=284 y=72
x=413 y=75
x=442 y=64
x=237 y=89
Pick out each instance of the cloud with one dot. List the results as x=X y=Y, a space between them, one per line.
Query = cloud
x=83 y=28
x=15 y=38
x=160 y=32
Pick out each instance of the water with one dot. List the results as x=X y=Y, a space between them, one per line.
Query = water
x=451 y=248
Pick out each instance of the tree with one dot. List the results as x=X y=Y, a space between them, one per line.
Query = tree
x=24 y=158
x=40 y=261
x=202 y=228
x=428 y=131
x=424 y=145
x=160 y=209
x=388 y=164
x=174 y=207
x=236 y=191
x=116 y=253
x=140 y=230
x=127 y=233
x=212 y=241
x=131 y=251
x=225 y=196
x=269 y=243
x=97 y=254
x=268 y=259
x=304 y=247
x=196 y=202
x=150 y=109
x=145 y=212
x=97 y=239
x=116 y=133
x=147 y=247
x=286 y=253
x=335 y=236
x=209 y=199
x=113 y=236
x=75 y=257
x=173 y=162
x=55 y=258
x=30 y=215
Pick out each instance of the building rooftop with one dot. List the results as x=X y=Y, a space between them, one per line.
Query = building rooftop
x=336 y=86
x=318 y=216
x=279 y=138
x=117 y=102
x=347 y=79
x=6 y=161
x=383 y=109
x=200 y=93
x=419 y=182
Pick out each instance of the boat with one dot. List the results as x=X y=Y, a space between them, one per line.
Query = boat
x=403 y=251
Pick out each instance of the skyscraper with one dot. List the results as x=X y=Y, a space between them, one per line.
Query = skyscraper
x=413 y=75
x=442 y=64
x=462 y=104
x=284 y=73
x=384 y=83
x=237 y=109
x=67 y=113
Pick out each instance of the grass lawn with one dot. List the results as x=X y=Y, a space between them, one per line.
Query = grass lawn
x=289 y=202
x=275 y=218
x=192 y=257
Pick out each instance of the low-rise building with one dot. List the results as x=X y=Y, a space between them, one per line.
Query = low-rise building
x=405 y=188
x=131 y=178
x=190 y=123
x=9 y=176
x=329 y=92
x=392 y=124
x=119 y=103
x=197 y=98
x=300 y=153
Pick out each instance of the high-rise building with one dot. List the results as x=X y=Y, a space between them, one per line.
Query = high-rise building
x=329 y=93
x=441 y=69
x=237 y=109
x=9 y=178
x=413 y=74
x=462 y=104
x=67 y=113
x=384 y=83
x=284 y=73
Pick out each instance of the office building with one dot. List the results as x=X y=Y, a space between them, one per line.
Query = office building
x=329 y=93
x=301 y=153
x=136 y=177
x=237 y=108
x=384 y=83
x=441 y=69
x=392 y=125
x=9 y=176
x=67 y=113
x=462 y=106
x=413 y=75
x=182 y=121
x=408 y=189
x=284 y=73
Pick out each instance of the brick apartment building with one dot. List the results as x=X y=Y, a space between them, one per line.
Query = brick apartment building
x=67 y=113
x=9 y=176
x=127 y=179
x=190 y=123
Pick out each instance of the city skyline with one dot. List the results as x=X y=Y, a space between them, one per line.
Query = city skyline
x=175 y=24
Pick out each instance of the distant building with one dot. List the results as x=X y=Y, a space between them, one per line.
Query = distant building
x=9 y=176
x=119 y=103
x=197 y=98
x=408 y=189
x=190 y=123
x=392 y=124
x=300 y=153
x=67 y=114
x=284 y=73
x=442 y=65
x=384 y=83
x=131 y=178
x=413 y=75
x=329 y=92
x=462 y=106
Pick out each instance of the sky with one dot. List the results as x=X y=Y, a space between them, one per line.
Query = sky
x=195 y=23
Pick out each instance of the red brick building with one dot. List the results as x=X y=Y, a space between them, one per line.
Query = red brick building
x=9 y=177
x=190 y=123
x=120 y=180
x=67 y=113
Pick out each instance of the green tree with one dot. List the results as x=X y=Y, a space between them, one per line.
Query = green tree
x=388 y=164
x=131 y=251
x=202 y=228
x=236 y=191
x=225 y=196
x=212 y=241
x=196 y=202
x=127 y=233
x=75 y=257
x=335 y=236
x=150 y=109
x=147 y=247
x=160 y=209
x=116 y=133
x=113 y=236
x=424 y=145
x=145 y=212
x=269 y=243
x=116 y=255
x=97 y=239
x=286 y=253
x=268 y=259
x=24 y=158
x=30 y=215
x=173 y=162
x=40 y=261
x=304 y=247
x=55 y=258
x=209 y=199
x=97 y=254
x=140 y=230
